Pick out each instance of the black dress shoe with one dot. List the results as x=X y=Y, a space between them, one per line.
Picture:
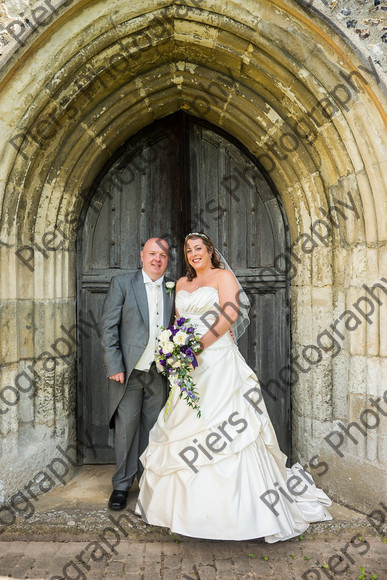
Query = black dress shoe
x=118 y=500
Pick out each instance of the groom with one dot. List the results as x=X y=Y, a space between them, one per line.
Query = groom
x=136 y=306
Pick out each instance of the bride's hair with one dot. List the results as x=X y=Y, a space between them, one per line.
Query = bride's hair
x=215 y=258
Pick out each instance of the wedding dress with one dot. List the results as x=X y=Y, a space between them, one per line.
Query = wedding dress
x=223 y=476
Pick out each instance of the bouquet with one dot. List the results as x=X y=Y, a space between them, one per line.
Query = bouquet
x=178 y=345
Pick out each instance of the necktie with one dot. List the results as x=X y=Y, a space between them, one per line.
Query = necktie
x=155 y=295
x=154 y=313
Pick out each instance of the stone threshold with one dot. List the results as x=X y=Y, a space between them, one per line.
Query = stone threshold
x=78 y=512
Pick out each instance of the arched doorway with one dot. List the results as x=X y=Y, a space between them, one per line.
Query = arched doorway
x=180 y=175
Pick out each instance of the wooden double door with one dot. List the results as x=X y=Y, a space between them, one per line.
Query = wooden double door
x=176 y=176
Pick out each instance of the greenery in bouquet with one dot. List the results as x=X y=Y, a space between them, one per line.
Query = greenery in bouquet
x=176 y=358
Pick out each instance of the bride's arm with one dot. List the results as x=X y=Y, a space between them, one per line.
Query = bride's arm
x=228 y=301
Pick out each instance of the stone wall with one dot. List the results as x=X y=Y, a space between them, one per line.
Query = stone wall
x=362 y=22
x=301 y=96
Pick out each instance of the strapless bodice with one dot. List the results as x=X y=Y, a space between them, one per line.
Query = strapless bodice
x=198 y=302
x=202 y=308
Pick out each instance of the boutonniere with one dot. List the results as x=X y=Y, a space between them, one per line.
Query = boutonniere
x=169 y=286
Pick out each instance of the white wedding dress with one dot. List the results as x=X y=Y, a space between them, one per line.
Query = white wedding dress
x=233 y=484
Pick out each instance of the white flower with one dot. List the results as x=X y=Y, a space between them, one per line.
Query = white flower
x=169 y=286
x=180 y=337
x=176 y=365
x=165 y=336
x=168 y=347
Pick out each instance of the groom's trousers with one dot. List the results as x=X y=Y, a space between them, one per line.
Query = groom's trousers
x=145 y=396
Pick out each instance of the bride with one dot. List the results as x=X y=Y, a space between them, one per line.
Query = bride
x=222 y=476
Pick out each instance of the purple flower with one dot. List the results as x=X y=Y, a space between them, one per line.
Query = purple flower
x=163 y=362
x=180 y=322
x=191 y=329
x=194 y=361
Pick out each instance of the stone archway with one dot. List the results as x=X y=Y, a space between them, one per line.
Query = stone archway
x=272 y=74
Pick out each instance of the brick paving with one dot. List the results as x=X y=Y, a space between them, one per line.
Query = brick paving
x=186 y=559
x=73 y=536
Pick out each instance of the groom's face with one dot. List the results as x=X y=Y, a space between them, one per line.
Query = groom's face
x=154 y=258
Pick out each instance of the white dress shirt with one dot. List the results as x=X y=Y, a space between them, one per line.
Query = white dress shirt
x=155 y=308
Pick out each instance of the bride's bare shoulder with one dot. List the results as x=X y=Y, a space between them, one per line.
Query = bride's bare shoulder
x=224 y=276
x=181 y=283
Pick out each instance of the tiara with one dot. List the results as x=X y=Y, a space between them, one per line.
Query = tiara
x=196 y=234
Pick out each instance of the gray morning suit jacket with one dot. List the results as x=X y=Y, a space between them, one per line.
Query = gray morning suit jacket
x=125 y=328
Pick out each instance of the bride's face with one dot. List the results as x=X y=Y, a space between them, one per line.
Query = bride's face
x=198 y=255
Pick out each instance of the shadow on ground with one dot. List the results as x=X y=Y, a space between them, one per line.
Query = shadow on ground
x=78 y=511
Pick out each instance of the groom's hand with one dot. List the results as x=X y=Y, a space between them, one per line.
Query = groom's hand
x=120 y=377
